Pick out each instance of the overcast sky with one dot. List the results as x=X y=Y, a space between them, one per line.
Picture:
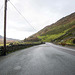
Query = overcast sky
x=39 y=13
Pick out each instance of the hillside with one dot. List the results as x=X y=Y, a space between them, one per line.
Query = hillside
x=0 y=37
x=9 y=40
x=63 y=29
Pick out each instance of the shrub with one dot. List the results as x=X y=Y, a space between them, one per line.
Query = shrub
x=63 y=43
x=74 y=41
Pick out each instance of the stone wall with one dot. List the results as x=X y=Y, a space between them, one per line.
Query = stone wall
x=12 y=48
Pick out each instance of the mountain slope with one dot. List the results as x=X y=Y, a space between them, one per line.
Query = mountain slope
x=1 y=37
x=9 y=40
x=61 y=30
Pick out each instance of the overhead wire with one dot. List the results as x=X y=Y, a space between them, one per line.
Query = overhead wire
x=22 y=15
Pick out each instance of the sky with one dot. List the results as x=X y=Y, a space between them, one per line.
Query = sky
x=33 y=15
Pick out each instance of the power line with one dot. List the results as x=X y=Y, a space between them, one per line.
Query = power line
x=22 y=15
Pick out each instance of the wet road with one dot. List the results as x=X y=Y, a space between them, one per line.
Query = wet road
x=46 y=59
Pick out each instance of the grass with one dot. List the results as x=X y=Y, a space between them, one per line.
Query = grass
x=59 y=28
x=48 y=38
x=69 y=41
x=17 y=43
x=3 y=44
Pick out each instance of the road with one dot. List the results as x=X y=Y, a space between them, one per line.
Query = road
x=45 y=59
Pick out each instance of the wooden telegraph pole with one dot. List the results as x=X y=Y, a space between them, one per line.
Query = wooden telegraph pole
x=5 y=14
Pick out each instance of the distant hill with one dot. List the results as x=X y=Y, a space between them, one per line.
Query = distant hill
x=1 y=37
x=9 y=40
x=62 y=30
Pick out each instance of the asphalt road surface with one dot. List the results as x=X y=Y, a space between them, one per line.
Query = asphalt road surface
x=45 y=59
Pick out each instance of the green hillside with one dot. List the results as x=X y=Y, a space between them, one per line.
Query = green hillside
x=60 y=32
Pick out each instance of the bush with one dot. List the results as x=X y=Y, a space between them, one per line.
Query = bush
x=63 y=44
x=74 y=41
x=11 y=44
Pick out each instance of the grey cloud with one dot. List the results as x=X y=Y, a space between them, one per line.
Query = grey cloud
x=39 y=13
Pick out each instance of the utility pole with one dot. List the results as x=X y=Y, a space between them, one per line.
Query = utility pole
x=5 y=14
